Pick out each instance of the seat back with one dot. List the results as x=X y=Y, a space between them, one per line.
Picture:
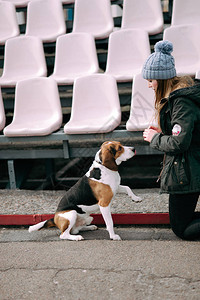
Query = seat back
x=24 y=58
x=67 y=1
x=95 y=105
x=142 y=106
x=185 y=12
x=2 y=113
x=127 y=51
x=146 y=14
x=8 y=21
x=186 y=47
x=37 y=109
x=45 y=19
x=75 y=56
x=19 y=3
x=93 y=16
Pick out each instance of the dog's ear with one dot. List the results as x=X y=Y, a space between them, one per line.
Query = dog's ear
x=108 y=159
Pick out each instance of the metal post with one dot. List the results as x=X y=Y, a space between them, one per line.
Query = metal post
x=11 y=173
x=65 y=149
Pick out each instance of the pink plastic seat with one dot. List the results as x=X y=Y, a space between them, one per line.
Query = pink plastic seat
x=93 y=16
x=116 y=11
x=185 y=12
x=95 y=105
x=145 y=14
x=67 y=1
x=197 y=76
x=8 y=22
x=45 y=19
x=142 y=106
x=127 y=51
x=19 y=3
x=37 y=110
x=24 y=58
x=2 y=113
x=186 y=43
x=75 y=56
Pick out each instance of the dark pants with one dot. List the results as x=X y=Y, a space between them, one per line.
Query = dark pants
x=185 y=222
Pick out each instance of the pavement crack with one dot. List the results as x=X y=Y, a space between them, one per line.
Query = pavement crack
x=140 y=274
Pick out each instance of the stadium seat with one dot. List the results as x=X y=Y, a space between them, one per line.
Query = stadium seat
x=186 y=42
x=75 y=56
x=197 y=76
x=142 y=106
x=93 y=16
x=127 y=51
x=95 y=105
x=19 y=3
x=116 y=11
x=8 y=22
x=45 y=19
x=146 y=14
x=2 y=113
x=67 y=1
x=185 y=12
x=24 y=58
x=37 y=109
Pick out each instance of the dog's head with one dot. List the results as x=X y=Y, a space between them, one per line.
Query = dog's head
x=112 y=153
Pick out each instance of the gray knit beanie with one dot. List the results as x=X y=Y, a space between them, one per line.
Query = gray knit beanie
x=160 y=64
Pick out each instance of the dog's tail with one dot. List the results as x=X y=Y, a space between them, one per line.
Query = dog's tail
x=44 y=224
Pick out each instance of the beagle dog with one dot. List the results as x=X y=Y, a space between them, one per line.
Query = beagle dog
x=94 y=191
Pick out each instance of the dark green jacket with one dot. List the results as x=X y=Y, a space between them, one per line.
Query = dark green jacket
x=180 y=140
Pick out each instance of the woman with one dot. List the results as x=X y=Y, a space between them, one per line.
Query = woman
x=177 y=104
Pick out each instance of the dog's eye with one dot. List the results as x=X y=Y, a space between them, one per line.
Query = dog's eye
x=120 y=148
x=113 y=150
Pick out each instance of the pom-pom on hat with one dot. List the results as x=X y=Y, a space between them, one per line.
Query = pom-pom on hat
x=160 y=64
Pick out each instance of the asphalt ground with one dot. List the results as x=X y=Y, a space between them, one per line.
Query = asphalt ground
x=148 y=263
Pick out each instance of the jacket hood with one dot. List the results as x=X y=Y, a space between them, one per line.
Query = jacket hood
x=192 y=93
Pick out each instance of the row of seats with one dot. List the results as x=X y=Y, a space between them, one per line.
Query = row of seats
x=76 y=55
x=24 y=3
x=45 y=18
x=95 y=107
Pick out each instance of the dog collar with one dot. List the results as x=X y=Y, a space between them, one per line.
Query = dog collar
x=98 y=161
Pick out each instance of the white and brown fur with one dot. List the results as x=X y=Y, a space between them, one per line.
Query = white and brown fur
x=94 y=191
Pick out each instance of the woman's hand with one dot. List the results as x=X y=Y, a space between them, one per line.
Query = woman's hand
x=150 y=132
x=157 y=129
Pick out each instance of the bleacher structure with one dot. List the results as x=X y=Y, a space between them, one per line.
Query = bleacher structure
x=123 y=109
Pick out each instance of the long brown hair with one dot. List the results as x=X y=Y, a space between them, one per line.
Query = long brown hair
x=165 y=87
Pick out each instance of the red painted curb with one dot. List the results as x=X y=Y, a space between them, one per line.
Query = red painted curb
x=118 y=219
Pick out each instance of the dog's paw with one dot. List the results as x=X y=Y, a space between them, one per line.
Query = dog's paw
x=78 y=238
x=115 y=237
x=93 y=227
x=71 y=237
x=136 y=199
